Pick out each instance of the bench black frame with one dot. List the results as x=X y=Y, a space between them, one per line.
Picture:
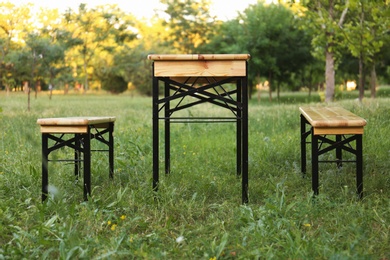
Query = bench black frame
x=81 y=143
x=341 y=142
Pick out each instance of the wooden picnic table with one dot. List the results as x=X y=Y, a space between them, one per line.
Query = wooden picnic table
x=196 y=78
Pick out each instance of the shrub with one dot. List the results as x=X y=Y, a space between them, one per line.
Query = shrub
x=114 y=84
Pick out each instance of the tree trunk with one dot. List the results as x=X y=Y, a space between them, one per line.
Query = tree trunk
x=270 y=86
x=329 y=76
x=86 y=87
x=361 y=78
x=373 y=81
x=361 y=65
x=28 y=97
x=250 y=90
x=86 y=77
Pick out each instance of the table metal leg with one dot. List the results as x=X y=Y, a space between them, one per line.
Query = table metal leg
x=155 y=134
x=239 y=130
x=244 y=144
x=167 y=131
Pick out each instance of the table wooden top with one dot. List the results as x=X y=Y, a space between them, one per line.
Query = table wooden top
x=74 y=121
x=182 y=66
x=187 y=57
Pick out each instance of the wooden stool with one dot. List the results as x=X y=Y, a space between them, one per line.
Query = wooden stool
x=332 y=121
x=83 y=130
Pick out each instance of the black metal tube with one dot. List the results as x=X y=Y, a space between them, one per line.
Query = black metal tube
x=339 y=154
x=111 y=149
x=155 y=130
x=244 y=133
x=167 y=129
x=359 y=165
x=87 y=163
x=239 y=129
x=303 y=144
x=45 y=177
x=314 y=161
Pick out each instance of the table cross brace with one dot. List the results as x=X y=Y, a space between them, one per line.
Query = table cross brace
x=194 y=92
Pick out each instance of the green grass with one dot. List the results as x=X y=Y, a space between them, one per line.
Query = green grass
x=198 y=213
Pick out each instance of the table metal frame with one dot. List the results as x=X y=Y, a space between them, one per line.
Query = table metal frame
x=204 y=89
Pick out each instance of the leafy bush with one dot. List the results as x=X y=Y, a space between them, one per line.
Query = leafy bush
x=114 y=84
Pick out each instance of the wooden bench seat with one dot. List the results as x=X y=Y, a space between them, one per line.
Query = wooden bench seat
x=82 y=131
x=334 y=121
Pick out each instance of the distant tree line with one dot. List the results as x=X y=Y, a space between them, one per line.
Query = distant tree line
x=306 y=44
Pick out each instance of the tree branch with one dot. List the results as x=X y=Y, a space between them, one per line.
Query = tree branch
x=344 y=13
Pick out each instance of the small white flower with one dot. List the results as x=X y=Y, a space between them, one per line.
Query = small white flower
x=53 y=191
x=180 y=239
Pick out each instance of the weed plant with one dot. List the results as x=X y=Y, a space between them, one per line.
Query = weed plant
x=197 y=212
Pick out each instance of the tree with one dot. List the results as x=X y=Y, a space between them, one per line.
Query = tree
x=190 y=24
x=365 y=32
x=325 y=17
x=277 y=47
x=107 y=64
x=87 y=26
x=14 y=23
x=227 y=40
x=132 y=61
x=102 y=31
x=59 y=41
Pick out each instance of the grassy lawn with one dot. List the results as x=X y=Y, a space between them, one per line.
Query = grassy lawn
x=198 y=213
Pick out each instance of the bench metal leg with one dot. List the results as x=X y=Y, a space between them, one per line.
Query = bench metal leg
x=359 y=165
x=244 y=143
x=87 y=164
x=314 y=162
x=77 y=156
x=303 y=144
x=339 y=155
x=111 y=149
x=45 y=160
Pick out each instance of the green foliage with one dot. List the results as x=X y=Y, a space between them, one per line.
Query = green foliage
x=85 y=45
x=114 y=84
x=136 y=68
x=190 y=23
x=270 y=32
x=227 y=40
x=197 y=212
